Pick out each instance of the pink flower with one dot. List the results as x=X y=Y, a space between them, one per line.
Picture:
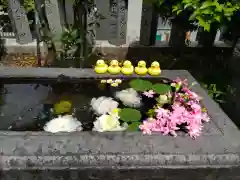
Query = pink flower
x=181 y=82
x=149 y=93
x=191 y=94
x=194 y=130
x=205 y=117
x=186 y=110
x=146 y=127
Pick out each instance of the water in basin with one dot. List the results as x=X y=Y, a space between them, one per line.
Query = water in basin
x=28 y=107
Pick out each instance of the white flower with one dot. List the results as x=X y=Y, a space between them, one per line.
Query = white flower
x=129 y=97
x=65 y=123
x=108 y=122
x=162 y=99
x=103 y=105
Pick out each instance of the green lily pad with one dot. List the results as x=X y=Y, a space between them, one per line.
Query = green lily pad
x=134 y=126
x=130 y=115
x=161 y=88
x=140 y=85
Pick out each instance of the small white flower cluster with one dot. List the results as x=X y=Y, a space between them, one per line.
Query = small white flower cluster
x=129 y=97
x=107 y=110
x=103 y=105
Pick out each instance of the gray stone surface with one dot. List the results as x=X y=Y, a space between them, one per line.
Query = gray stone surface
x=20 y=22
x=92 y=155
x=117 y=22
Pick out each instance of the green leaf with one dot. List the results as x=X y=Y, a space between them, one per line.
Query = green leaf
x=130 y=115
x=192 y=17
x=206 y=11
x=178 y=12
x=204 y=24
x=187 y=5
x=175 y=8
x=74 y=33
x=220 y=101
x=134 y=126
x=140 y=85
x=207 y=4
x=218 y=18
x=161 y=88
x=214 y=87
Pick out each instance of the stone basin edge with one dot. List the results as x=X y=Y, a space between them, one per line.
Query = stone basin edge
x=22 y=149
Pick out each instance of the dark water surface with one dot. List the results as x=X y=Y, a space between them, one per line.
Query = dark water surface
x=24 y=106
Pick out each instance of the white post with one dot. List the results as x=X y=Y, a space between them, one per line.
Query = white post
x=134 y=18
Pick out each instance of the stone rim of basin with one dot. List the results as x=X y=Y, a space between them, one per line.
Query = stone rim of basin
x=111 y=149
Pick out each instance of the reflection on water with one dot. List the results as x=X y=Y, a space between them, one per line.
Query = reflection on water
x=21 y=103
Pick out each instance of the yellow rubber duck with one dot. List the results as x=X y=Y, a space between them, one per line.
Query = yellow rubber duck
x=101 y=67
x=114 y=67
x=141 y=68
x=154 y=70
x=127 y=68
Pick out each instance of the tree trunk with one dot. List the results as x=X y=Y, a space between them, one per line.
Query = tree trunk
x=206 y=38
x=178 y=34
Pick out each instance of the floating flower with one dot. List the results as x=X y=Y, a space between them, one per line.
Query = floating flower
x=103 y=105
x=149 y=93
x=186 y=112
x=162 y=99
x=178 y=83
x=109 y=81
x=181 y=82
x=114 y=84
x=129 y=97
x=147 y=125
x=103 y=81
x=108 y=122
x=119 y=81
x=65 y=123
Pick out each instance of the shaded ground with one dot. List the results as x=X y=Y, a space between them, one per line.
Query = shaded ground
x=19 y=60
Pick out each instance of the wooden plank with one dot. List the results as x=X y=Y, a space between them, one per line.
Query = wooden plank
x=117 y=22
x=20 y=22
x=134 y=20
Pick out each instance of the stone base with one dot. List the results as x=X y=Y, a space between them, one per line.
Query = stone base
x=122 y=155
x=126 y=174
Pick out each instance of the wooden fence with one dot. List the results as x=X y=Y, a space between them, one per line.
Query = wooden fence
x=124 y=23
